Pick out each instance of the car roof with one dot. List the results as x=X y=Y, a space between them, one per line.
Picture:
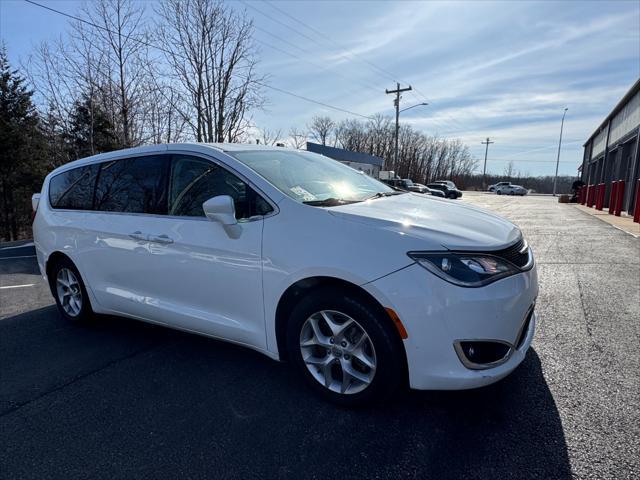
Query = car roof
x=163 y=147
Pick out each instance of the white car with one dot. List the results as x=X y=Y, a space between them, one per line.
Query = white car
x=492 y=188
x=511 y=190
x=362 y=288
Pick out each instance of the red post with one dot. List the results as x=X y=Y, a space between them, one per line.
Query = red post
x=591 y=196
x=613 y=195
x=600 y=196
x=583 y=194
x=636 y=210
x=620 y=199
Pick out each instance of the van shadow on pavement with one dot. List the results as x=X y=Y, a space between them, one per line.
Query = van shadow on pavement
x=124 y=399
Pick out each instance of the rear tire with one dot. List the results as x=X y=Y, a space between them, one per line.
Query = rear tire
x=69 y=292
x=344 y=348
x=499 y=192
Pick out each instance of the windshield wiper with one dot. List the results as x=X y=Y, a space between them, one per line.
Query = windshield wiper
x=385 y=194
x=329 y=202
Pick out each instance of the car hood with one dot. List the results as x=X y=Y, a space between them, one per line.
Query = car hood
x=440 y=223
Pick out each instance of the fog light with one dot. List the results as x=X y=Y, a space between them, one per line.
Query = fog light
x=479 y=355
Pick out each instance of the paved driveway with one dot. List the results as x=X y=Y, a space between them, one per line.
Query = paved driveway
x=122 y=399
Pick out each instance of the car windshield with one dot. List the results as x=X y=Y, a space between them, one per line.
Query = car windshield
x=311 y=178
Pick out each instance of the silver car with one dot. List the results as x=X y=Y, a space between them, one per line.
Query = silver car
x=511 y=190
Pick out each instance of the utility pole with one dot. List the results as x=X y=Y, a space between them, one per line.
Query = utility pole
x=396 y=102
x=555 y=179
x=487 y=142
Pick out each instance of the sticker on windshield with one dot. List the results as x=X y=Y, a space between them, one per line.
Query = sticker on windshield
x=301 y=192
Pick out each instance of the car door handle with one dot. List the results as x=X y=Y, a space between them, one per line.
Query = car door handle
x=165 y=239
x=138 y=235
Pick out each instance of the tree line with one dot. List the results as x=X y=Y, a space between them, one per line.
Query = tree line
x=421 y=157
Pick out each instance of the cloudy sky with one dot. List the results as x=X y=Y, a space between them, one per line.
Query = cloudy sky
x=504 y=70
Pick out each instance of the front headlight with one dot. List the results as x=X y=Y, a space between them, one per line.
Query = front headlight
x=465 y=269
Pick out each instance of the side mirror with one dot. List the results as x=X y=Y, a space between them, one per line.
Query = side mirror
x=220 y=209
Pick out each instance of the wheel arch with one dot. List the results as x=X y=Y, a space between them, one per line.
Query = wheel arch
x=51 y=261
x=289 y=299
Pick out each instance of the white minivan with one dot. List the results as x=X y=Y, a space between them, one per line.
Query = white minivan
x=360 y=287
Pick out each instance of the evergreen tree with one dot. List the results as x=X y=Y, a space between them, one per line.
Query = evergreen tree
x=22 y=152
x=91 y=132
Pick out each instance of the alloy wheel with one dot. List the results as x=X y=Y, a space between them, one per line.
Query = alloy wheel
x=338 y=352
x=69 y=292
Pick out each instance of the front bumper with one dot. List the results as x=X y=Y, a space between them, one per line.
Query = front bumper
x=437 y=314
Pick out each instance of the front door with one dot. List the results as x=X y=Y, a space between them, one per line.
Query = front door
x=208 y=277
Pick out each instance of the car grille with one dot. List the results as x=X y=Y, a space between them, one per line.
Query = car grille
x=513 y=254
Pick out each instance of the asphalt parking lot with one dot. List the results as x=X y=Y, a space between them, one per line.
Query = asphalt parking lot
x=122 y=399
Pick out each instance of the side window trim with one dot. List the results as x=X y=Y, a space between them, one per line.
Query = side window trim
x=208 y=158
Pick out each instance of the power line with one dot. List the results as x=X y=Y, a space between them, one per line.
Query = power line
x=529 y=161
x=379 y=70
x=321 y=67
x=572 y=142
x=345 y=52
x=150 y=45
x=325 y=37
x=301 y=97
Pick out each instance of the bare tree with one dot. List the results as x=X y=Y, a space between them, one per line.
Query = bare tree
x=420 y=157
x=211 y=53
x=321 y=128
x=269 y=137
x=121 y=38
x=298 y=138
x=509 y=170
x=102 y=64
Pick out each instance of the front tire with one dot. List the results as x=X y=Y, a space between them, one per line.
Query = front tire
x=499 y=192
x=344 y=347
x=69 y=292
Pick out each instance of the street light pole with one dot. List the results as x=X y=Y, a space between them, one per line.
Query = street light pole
x=555 y=179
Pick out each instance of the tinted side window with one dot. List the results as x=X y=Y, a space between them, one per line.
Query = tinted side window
x=136 y=185
x=194 y=181
x=73 y=189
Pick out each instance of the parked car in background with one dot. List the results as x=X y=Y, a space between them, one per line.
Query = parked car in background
x=255 y=245
x=408 y=185
x=511 y=190
x=386 y=175
x=448 y=183
x=492 y=188
x=402 y=183
x=429 y=191
x=448 y=191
